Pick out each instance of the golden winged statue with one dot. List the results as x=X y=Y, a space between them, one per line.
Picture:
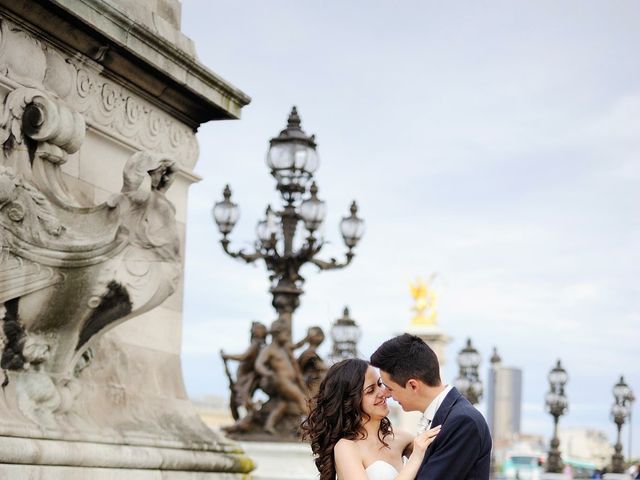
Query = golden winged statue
x=425 y=302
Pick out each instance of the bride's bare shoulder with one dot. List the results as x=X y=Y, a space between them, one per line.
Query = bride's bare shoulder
x=347 y=452
x=345 y=446
x=348 y=458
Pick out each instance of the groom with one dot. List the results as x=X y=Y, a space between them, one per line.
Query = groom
x=411 y=374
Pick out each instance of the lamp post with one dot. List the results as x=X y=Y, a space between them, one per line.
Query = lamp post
x=468 y=381
x=345 y=334
x=620 y=410
x=631 y=399
x=557 y=405
x=496 y=362
x=292 y=159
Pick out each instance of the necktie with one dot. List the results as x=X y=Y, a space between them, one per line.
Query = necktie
x=424 y=424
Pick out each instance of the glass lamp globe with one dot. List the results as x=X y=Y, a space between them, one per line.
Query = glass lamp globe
x=558 y=376
x=619 y=413
x=477 y=388
x=226 y=213
x=292 y=157
x=621 y=391
x=352 y=227
x=313 y=210
x=345 y=329
x=469 y=356
x=463 y=384
x=551 y=398
x=267 y=229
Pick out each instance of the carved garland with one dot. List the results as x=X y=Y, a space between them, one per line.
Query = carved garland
x=110 y=106
x=105 y=104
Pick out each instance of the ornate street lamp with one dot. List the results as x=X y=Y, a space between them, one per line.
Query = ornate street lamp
x=345 y=334
x=292 y=159
x=631 y=400
x=557 y=405
x=468 y=381
x=620 y=410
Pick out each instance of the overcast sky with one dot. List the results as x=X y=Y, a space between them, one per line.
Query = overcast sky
x=496 y=143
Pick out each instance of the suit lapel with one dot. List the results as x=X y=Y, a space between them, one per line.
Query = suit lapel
x=445 y=407
x=441 y=415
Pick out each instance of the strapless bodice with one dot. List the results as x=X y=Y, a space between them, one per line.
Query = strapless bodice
x=381 y=470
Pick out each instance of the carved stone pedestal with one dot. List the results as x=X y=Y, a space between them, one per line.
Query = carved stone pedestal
x=32 y=472
x=64 y=460
x=99 y=105
x=281 y=460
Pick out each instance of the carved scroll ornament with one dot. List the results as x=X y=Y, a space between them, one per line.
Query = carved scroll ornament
x=70 y=273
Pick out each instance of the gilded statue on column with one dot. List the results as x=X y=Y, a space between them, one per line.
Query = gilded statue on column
x=426 y=300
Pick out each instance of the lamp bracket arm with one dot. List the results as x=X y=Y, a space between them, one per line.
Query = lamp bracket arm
x=332 y=264
x=247 y=257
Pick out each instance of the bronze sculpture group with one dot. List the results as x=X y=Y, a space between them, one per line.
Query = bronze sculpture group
x=288 y=382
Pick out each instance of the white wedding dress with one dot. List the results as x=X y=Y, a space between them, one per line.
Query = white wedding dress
x=381 y=470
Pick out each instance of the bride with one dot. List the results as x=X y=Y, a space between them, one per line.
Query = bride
x=351 y=436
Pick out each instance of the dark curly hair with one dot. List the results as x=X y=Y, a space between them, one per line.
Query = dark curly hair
x=336 y=413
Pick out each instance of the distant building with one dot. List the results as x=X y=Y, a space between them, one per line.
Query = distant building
x=585 y=444
x=504 y=402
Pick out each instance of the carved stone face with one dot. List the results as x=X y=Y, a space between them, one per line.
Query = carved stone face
x=162 y=177
x=156 y=177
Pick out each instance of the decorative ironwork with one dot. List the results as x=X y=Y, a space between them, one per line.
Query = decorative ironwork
x=292 y=159
x=468 y=381
x=620 y=411
x=557 y=405
x=345 y=334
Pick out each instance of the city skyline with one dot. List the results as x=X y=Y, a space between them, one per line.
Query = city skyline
x=496 y=145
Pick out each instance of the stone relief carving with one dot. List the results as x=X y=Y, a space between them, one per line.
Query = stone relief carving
x=111 y=106
x=104 y=103
x=69 y=273
x=70 y=269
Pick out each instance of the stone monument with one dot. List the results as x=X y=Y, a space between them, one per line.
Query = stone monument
x=100 y=103
x=268 y=423
x=287 y=382
x=424 y=324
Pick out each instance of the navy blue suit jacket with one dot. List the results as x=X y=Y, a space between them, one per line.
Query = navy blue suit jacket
x=462 y=449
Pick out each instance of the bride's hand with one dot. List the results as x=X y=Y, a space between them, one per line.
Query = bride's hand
x=423 y=440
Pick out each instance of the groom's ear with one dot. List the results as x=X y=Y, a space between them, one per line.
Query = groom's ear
x=413 y=384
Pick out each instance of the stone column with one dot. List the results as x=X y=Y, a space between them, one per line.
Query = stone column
x=100 y=104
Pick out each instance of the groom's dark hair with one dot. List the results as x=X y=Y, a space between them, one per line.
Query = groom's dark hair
x=405 y=357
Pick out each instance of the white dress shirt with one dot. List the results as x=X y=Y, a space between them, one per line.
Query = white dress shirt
x=430 y=412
